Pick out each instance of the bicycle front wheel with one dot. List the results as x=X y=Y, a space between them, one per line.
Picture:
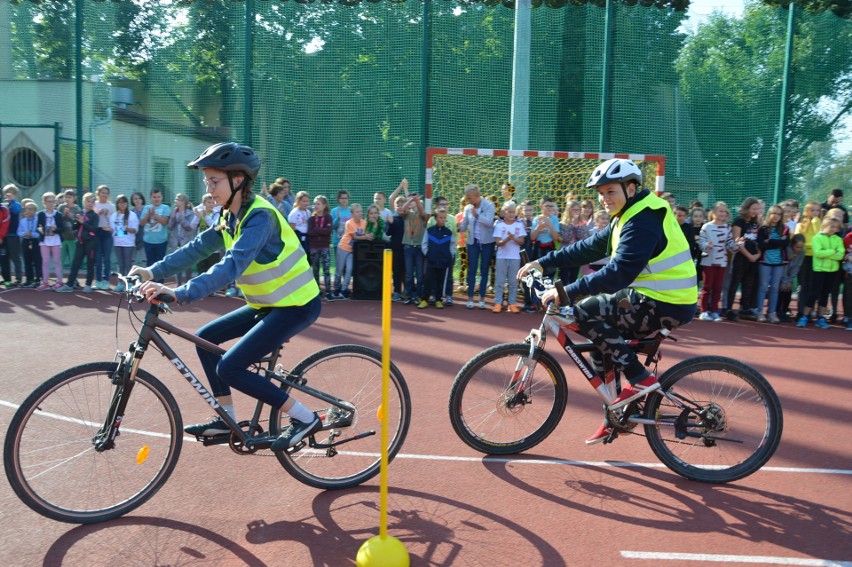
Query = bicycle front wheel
x=733 y=428
x=50 y=456
x=351 y=373
x=494 y=412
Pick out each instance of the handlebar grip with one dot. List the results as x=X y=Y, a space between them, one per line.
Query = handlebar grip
x=563 y=296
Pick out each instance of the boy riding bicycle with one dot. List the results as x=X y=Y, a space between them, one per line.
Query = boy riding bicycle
x=649 y=283
x=264 y=257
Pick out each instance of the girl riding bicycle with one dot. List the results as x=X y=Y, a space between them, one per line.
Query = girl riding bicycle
x=264 y=257
x=649 y=284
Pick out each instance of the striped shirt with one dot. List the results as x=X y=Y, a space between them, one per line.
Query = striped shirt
x=723 y=241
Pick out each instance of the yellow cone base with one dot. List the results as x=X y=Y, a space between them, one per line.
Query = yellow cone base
x=381 y=551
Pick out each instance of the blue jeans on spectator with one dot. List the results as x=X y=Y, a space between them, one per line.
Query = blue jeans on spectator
x=413 y=271
x=154 y=253
x=769 y=278
x=103 y=255
x=261 y=332
x=478 y=254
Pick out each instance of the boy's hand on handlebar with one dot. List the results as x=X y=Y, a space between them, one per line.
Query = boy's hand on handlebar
x=144 y=274
x=150 y=290
x=551 y=296
x=527 y=268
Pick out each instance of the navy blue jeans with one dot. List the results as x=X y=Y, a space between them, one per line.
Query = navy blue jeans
x=260 y=336
x=478 y=254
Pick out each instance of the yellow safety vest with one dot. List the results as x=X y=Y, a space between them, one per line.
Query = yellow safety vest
x=670 y=276
x=288 y=280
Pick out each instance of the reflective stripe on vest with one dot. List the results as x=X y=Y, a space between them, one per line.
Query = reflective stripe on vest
x=286 y=281
x=671 y=275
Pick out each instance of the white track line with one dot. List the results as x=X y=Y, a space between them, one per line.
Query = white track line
x=524 y=461
x=759 y=559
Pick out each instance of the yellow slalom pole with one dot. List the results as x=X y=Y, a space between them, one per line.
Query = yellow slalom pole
x=384 y=550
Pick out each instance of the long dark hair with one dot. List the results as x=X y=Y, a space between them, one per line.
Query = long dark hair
x=119 y=199
x=747 y=204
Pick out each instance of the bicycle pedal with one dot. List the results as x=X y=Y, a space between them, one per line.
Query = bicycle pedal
x=298 y=446
x=208 y=440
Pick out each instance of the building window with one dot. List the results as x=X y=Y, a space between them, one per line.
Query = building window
x=27 y=167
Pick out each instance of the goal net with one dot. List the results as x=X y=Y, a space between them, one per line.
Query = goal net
x=534 y=174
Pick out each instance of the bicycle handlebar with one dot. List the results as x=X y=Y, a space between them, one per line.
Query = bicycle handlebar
x=131 y=289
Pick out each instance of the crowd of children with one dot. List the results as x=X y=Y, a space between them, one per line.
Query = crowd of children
x=754 y=257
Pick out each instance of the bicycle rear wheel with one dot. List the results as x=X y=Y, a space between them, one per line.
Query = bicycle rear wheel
x=734 y=430
x=490 y=415
x=49 y=454
x=352 y=373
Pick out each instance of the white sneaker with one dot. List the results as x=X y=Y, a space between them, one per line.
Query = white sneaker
x=706 y=316
x=470 y=304
x=482 y=305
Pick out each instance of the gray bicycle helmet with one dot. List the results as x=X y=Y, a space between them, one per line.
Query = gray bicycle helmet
x=616 y=171
x=229 y=156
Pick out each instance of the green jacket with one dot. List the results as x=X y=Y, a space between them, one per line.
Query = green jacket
x=828 y=252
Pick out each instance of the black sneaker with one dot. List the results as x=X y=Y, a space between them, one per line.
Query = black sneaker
x=295 y=432
x=216 y=426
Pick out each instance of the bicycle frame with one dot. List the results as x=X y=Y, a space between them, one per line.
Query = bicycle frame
x=125 y=376
x=558 y=323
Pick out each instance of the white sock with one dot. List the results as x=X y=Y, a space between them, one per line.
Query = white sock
x=229 y=409
x=301 y=413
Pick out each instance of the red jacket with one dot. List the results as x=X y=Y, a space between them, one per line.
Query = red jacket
x=4 y=221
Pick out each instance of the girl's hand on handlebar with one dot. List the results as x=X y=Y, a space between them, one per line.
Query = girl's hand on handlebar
x=527 y=268
x=150 y=290
x=144 y=274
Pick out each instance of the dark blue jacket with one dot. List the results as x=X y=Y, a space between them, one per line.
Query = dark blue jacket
x=439 y=251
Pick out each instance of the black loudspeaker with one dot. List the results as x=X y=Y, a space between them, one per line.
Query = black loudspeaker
x=367 y=269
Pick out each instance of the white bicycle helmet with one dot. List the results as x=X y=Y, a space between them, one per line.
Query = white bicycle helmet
x=616 y=171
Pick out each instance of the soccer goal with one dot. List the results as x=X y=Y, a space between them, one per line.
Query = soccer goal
x=533 y=173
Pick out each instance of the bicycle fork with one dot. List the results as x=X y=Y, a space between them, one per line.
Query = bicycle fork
x=122 y=379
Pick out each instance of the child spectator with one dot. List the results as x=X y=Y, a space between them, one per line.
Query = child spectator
x=137 y=204
x=395 y=231
x=209 y=215
x=773 y=240
x=744 y=264
x=587 y=212
x=155 y=217
x=339 y=215
x=834 y=293
x=478 y=222
x=443 y=204
x=50 y=228
x=688 y=229
x=28 y=236
x=809 y=226
x=87 y=223
x=828 y=251
x=299 y=219
x=69 y=209
x=791 y=214
x=795 y=257
x=103 y=243
x=715 y=240
x=412 y=243
x=601 y=221
x=375 y=224
x=353 y=230
x=278 y=198
x=525 y=217
x=319 y=235
x=12 y=241
x=572 y=228
x=509 y=235
x=124 y=226
x=438 y=247
x=545 y=229
x=183 y=224
x=379 y=199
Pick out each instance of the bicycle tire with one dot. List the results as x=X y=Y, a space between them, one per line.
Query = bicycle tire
x=50 y=459
x=745 y=426
x=487 y=420
x=352 y=373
